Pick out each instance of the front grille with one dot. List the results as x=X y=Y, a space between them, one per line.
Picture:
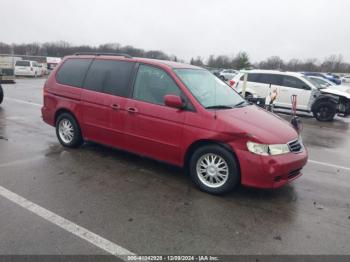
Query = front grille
x=295 y=146
x=294 y=173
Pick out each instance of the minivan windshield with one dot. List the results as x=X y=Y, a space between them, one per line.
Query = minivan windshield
x=210 y=91
x=315 y=83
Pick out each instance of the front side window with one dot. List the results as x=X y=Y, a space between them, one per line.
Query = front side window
x=152 y=84
x=209 y=91
x=109 y=76
x=73 y=71
x=291 y=81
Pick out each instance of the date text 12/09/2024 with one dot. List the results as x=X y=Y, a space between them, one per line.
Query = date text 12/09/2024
x=173 y=258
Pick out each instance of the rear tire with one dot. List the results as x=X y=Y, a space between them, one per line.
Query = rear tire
x=324 y=111
x=214 y=170
x=68 y=131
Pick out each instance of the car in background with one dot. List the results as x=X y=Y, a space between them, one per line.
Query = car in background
x=7 y=68
x=227 y=74
x=189 y=118
x=43 y=69
x=329 y=84
x=216 y=72
x=27 y=68
x=346 y=79
x=335 y=79
x=312 y=98
x=322 y=81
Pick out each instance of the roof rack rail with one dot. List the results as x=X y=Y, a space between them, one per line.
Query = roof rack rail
x=107 y=54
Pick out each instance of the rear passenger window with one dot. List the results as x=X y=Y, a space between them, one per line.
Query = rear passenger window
x=109 y=76
x=272 y=79
x=291 y=81
x=253 y=77
x=72 y=72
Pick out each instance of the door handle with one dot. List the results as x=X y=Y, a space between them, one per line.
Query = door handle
x=132 y=110
x=115 y=106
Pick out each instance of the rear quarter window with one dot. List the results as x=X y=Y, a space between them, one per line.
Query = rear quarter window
x=73 y=71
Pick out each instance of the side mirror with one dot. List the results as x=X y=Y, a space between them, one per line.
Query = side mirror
x=306 y=87
x=173 y=101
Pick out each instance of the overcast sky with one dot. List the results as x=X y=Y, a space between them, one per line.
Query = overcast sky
x=187 y=28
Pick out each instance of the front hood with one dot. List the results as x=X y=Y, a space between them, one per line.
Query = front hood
x=257 y=123
x=337 y=90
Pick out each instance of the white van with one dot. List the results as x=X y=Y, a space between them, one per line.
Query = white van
x=312 y=98
x=27 y=68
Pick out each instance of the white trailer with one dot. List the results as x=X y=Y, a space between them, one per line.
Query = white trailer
x=7 y=68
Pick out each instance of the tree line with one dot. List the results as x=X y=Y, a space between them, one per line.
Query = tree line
x=62 y=48
x=333 y=63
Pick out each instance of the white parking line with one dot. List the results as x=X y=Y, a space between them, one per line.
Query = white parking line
x=67 y=225
x=22 y=101
x=327 y=164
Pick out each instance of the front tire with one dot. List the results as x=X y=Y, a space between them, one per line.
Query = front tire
x=68 y=131
x=324 y=111
x=214 y=170
x=1 y=94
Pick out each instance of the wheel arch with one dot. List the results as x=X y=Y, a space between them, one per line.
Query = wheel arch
x=202 y=142
x=324 y=98
x=247 y=90
x=65 y=110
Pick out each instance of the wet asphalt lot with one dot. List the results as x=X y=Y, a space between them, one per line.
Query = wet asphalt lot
x=148 y=207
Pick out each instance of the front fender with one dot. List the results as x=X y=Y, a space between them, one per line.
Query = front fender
x=324 y=97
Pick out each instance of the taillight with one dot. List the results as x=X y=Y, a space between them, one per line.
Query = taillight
x=232 y=83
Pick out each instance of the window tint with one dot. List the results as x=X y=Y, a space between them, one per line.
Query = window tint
x=152 y=84
x=73 y=71
x=293 y=82
x=270 y=79
x=109 y=76
x=252 y=77
x=22 y=63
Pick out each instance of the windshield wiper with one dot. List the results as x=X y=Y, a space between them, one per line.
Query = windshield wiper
x=241 y=104
x=219 y=107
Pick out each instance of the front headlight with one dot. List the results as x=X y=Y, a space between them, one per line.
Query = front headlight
x=266 y=150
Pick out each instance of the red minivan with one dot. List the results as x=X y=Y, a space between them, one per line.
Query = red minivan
x=172 y=112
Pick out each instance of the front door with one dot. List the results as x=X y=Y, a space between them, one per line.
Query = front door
x=292 y=85
x=153 y=129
